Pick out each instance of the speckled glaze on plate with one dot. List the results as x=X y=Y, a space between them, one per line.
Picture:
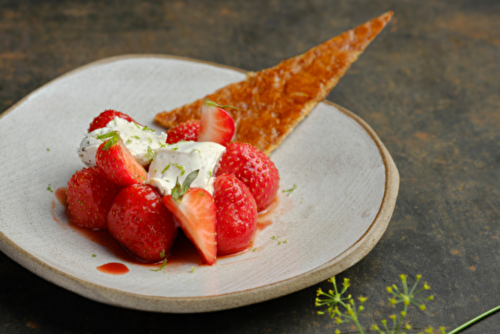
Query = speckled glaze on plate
x=346 y=180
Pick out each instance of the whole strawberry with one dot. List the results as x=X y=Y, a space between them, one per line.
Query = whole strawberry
x=105 y=117
x=140 y=222
x=116 y=161
x=187 y=131
x=90 y=194
x=236 y=214
x=254 y=169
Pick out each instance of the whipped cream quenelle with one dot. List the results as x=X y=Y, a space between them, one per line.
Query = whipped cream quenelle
x=179 y=160
x=136 y=138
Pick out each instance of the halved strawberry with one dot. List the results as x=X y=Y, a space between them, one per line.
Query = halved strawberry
x=236 y=214
x=139 y=221
x=254 y=169
x=195 y=212
x=187 y=131
x=216 y=124
x=105 y=117
x=90 y=194
x=116 y=161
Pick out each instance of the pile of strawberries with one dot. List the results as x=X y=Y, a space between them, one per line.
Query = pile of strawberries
x=114 y=195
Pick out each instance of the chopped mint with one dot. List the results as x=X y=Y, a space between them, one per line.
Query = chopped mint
x=93 y=255
x=145 y=128
x=129 y=141
x=137 y=125
x=113 y=139
x=162 y=145
x=162 y=254
x=150 y=140
x=165 y=169
x=150 y=154
x=50 y=189
x=289 y=191
x=175 y=149
x=137 y=137
x=48 y=149
x=253 y=250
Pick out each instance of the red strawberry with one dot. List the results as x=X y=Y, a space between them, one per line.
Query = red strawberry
x=187 y=131
x=216 y=124
x=254 y=169
x=90 y=194
x=194 y=210
x=236 y=214
x=116 y=161
x=105 y=117
x=139 y=221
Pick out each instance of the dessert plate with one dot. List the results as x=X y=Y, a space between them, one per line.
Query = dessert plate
x=346 y=189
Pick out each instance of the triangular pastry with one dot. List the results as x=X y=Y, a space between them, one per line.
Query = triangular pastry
x=273 y=101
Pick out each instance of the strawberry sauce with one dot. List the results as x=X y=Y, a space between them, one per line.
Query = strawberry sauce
x=113 y=268
x=183 y=252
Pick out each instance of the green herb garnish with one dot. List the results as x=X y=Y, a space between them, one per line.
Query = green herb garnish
x=290 y=191
x=50 y=189
x=48 y=149
x=192 y=269
x=150 y=154
x=93 y=255
x=162 y=254
x=213 y=104
x=112 y=137
x=179 y=191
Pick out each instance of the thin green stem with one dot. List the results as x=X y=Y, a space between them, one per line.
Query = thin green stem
x=360 y=329
x=476 y=319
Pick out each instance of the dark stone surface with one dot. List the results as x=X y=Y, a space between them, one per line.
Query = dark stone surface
x=429 y=85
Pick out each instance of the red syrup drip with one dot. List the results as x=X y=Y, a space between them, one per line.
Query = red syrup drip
x=113 y=268
x=183 y=252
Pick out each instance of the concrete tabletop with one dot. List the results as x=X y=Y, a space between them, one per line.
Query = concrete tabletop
x=429 y=85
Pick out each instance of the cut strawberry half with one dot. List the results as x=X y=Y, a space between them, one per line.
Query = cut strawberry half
x=116 y=161
x=216 y=124
x=194 y=210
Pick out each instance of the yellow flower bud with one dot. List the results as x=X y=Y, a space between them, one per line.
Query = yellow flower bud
x=337 y=331
x=407 y=326
x=362 y=299
x=406 y=300
x=426 y=287
x=419 y=277
x=389 y=289
x=431 y=297
x=403 y=278
x=361 y=308
x=403 y=313
x=422 y=307
x=393 y=317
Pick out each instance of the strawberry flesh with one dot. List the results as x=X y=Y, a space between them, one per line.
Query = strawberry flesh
x=139 y=221
x=90 y=194
x=119 y=165
x=236 y=214
x=197 y=217
x=216 y=125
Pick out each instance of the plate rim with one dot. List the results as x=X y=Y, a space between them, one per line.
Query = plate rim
x=115 y=297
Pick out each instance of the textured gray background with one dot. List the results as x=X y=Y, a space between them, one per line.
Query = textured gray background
x=429 y=86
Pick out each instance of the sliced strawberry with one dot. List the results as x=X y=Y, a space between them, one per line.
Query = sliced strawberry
x=116 y=161
x=187 y=131
x=195 y=212
x=105 y=117
x=90 y=194
x=216 y=124
x=140 y=222
x=254 y=169
x=236 y=214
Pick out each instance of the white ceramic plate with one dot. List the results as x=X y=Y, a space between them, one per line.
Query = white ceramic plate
x=346 y=190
